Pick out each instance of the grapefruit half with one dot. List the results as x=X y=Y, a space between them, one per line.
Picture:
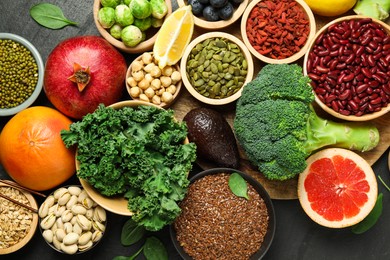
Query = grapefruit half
x=338 y=188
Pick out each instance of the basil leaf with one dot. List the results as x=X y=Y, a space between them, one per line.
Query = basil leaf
x=50 y=16
x=238 y=185
x=154 y=249
x=131 y=233
x=371 y=219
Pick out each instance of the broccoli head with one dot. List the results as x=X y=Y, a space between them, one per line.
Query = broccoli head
x=278 y=128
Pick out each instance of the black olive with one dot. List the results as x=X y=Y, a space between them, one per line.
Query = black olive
x=236 y=2
x=197 y=7
x=218 y=3
x=226 y=12
x=204 y=2
x=210 y=13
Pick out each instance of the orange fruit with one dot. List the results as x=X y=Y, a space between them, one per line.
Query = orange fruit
x=174 y=36
x=338 y=188
x=32 y=151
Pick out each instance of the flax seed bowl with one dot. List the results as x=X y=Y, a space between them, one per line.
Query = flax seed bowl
x=348 y=62
x=216 y=222
x=215 y=67
x=278 y=31
x=215 y=14
x=18 y=224
x=145 y=81
x=21 y=70
x=112 y=30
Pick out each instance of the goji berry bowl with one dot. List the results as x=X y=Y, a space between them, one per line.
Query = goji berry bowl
x=348 y=62
x=215 y=67
x=238 y=7
x=278 y=31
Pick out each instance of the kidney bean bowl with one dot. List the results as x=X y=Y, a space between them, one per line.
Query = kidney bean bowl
x=216 y=223
x=348 y=63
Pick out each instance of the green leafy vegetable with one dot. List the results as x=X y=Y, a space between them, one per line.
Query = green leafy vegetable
x=371 y=219
x=131 y=233
x=378 y=9
x=138 y=153
x=50 y=16
x=238 y=185
x=154 y=249
x=132 y=257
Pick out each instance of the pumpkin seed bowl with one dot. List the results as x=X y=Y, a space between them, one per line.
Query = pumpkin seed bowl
x=22 y=71
x=215 y=67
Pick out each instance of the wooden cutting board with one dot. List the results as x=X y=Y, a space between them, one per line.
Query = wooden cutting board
x=283 y=190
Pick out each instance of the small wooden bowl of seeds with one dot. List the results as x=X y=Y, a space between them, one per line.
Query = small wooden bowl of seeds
x=145 y=81
x=18 y=224
x=215 y=67
x=20 y=91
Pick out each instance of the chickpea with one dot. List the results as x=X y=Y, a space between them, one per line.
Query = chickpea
x=167 y=71
x=176 y=76
x=135 y=92
x=161 y=91
x=156 y=100
x=131 y=82
x=148 y=77
x=148 y=68
x=149 y=92
x=165 y=81
x=137 y=65
x=155 y=72
x=138 y=75
x=166 y=97
x=155 y=84
x=171 y=89
x=143 y=97
x=144 y=84
x=147 y=58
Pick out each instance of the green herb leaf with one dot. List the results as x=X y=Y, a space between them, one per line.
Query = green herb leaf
x=154 y=249
x=129 y=257
x=50 y=16
x=371 y=219
x=131 y=233
x=238 y=185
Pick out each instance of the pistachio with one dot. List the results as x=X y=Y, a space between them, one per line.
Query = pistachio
x=77 y=229
x=83 y=194
x=43 y=210
x=71 y=238
x=48 y=235
x=60 y=234
x=87 y=203
x=78 y=209
x=56 y=243
x=74 y=190
x=59 y=210
x=68 y=227
x=59 y=192
x=89 y=213
x=83 y=222
x=98 y=226
x=85 y=238
x=67 y=216
x=48 y=221
x=59 y=223
x=72 y=201
x=85 y=246
x=69 y=249
x=100 y=214
x=64 y=198
x=96 y=236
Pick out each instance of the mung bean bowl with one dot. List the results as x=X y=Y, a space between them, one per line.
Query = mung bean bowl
x=221 y=221
x=70 y=221
x=278 y=32
x=215 y=67
x=348 y=63
x=22 y=71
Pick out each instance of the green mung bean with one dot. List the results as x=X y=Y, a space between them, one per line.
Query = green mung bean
x=18 y=73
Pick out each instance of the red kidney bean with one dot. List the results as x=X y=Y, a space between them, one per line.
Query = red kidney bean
x=367 y=72
x=348 y=77
x=344 y=95
x=378 y=78
x=361 y=88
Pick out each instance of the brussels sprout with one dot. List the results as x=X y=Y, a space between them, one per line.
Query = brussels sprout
x=157 y=23
x=131 y=35
x=123 y=15
x=106 y=17
x=115 y=31
x=159 y=8
x=143 y=36
x=143 y=24
x=110 y=3
x=140 y=8
x=126 y=2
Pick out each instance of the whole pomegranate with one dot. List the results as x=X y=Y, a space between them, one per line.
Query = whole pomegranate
x=82 y=72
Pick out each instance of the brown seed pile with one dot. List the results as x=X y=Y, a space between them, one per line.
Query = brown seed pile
x=15 y=221
x=216 y=224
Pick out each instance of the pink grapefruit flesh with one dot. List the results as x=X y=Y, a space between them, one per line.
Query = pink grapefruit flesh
x=338 y=188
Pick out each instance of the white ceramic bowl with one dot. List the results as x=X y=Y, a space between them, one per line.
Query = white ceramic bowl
x=38 y=59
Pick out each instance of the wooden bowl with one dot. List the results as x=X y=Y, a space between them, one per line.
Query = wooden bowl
x=143 y=46
x=296 y=56
x=162 y=104
x=329 y=110
x=116 y=204
x=202 y=23
x=38 y=88
x=33 y=226
x=184 y=74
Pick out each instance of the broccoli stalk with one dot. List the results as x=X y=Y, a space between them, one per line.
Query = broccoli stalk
x=278 y=128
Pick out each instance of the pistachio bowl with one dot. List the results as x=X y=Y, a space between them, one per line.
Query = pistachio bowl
x=38 y=87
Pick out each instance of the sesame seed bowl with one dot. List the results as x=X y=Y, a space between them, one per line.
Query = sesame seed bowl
x=21 y=90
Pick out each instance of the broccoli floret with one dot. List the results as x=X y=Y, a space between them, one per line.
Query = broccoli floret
x=278 y=128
